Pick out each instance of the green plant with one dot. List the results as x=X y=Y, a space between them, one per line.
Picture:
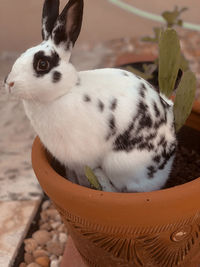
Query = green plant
x=169 y=65
x=172 y=19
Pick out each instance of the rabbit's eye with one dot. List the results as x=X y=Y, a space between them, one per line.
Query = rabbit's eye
x=43 y=65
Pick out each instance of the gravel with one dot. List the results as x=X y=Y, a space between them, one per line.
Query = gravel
x=46 y=246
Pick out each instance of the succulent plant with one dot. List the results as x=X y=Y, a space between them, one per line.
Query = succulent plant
x=169 y=65
x=172 y=19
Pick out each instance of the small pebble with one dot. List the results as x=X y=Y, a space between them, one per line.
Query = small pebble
x=53 y=257
x=33 y=264
x=30 y=245
x=45 y=247
x=40 y=253
x=62 y=237
x=46 y=204
x=52 y=213
x=62 y=228
x=54 y=263
x=45 y=226
x=55 y=247
x=28 y=258
x=55 y=225
x=44 y=216
x=42 y=237
x=43 y=261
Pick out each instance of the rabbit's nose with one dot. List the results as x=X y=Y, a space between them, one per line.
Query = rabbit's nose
x=11 y=84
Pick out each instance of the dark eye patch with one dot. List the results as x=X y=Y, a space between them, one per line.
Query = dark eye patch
x=53 y=61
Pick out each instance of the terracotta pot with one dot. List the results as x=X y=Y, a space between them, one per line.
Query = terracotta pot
x=160 y=228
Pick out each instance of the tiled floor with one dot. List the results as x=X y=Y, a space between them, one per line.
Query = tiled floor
x=14 y=222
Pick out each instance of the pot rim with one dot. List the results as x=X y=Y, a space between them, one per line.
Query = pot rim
x=39 y=149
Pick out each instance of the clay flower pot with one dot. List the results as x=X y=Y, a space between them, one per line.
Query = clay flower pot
x=160 y=228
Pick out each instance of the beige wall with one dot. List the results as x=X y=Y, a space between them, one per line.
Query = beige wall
x=20 y=20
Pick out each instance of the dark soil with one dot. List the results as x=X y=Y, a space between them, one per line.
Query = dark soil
x=186 y=167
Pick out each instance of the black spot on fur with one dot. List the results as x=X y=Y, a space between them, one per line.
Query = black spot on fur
x=157 y=112
x=86 y=98
x=162 y=141
x=167 y=154
x=156 y=158
x=142 y=94
x=145 y=146
x=56 y=76
x=151 y=136
x=139 y=77
x=113 y=104
x=112 y=124
x=100 y=105
x=143 y=89
x=112 y=127
x=145 y=121
x=151 y=171
x=142 y=107
x=53 y=61
x=123 y=141
x=125 y=73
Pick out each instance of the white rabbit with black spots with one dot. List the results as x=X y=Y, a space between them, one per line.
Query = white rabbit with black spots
x=108 y=119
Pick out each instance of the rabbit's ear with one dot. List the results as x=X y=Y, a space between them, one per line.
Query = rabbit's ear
x=68 y=24
x=50 y=14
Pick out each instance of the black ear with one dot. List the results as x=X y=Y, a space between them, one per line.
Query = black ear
x=68 y=24
x=49 y=16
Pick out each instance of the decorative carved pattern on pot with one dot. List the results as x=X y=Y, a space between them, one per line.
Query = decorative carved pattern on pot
x=159 y=246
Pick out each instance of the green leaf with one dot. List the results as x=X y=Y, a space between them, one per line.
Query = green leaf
x=184 y=65
x=169 y=60
x=92 y=178
x=185 y=95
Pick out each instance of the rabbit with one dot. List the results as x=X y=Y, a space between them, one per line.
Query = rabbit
x=108 y=119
